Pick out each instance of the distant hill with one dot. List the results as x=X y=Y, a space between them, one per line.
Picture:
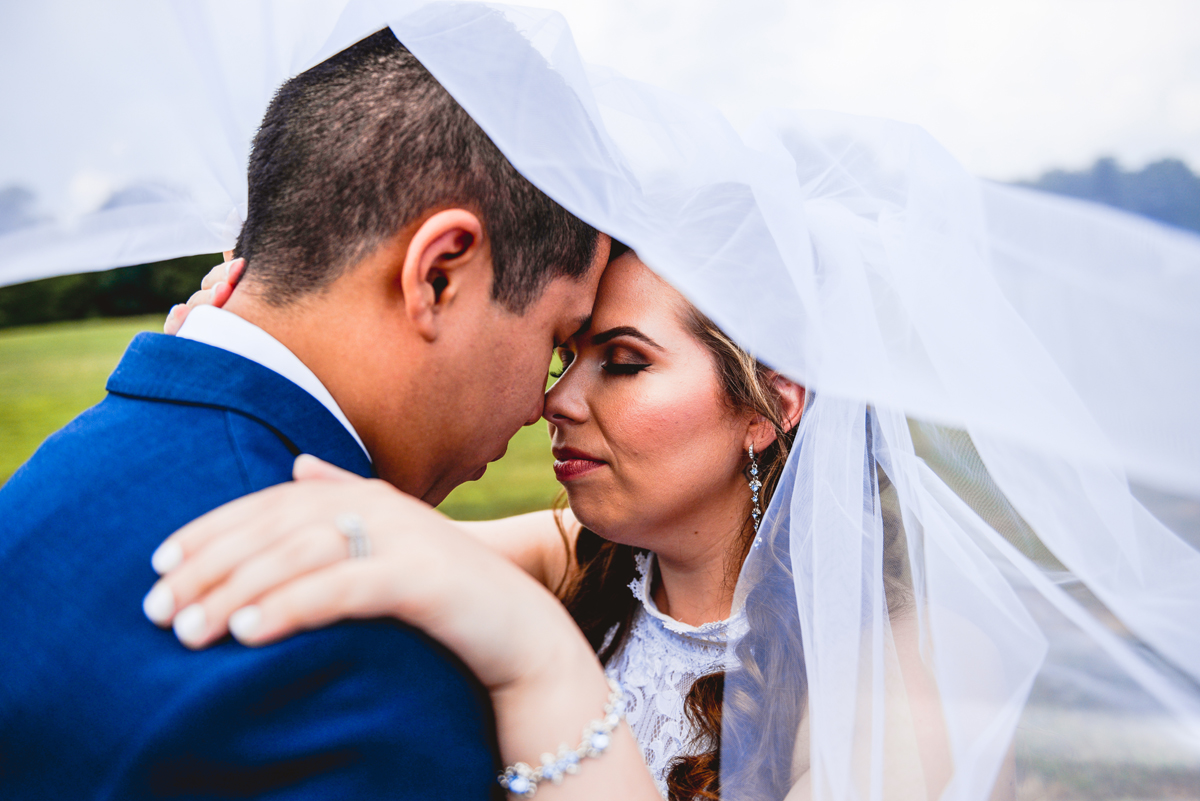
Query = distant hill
x=1166 y=190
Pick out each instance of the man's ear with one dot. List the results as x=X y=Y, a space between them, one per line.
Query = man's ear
x=791 y=397
x=430 y=276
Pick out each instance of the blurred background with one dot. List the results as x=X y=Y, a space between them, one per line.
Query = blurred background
x=1097 y=99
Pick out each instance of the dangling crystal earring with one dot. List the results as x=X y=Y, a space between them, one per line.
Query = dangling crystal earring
x=755 y=486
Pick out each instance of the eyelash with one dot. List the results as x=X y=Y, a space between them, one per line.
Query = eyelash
x=566 y=357
x=623 y=369
x=609 y=367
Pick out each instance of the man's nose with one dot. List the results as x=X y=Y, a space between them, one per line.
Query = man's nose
x=564 y=402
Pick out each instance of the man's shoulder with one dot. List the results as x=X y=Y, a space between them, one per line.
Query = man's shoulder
x=127 y=457
x=141 y=463
x=176 y=412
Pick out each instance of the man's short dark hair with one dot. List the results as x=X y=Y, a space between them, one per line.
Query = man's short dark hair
x=352 y=150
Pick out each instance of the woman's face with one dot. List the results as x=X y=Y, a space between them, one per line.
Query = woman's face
x=644 y=440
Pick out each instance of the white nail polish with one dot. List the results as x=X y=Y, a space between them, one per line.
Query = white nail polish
x=244 y=622
x=190 y=624
x=159 y=604
x=167 y=557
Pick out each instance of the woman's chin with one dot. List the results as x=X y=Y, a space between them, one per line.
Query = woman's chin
x=590 y=512
x=601 y=520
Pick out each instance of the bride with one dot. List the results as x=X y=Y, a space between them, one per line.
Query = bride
x=669 y=441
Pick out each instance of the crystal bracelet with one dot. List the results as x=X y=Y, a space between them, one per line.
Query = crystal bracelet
x=522 y=780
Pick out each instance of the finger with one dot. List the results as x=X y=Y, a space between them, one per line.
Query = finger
x=314 y=600
x=202 y=297
x=201 y=553
x=233 y=516
x=175 y=318
x=207 y=568
x=218 y=273
x=308 y=467
x=221 y=293
x=234 y=273
x=302 y=553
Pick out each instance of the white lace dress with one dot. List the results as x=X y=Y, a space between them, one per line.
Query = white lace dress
x=657 y=664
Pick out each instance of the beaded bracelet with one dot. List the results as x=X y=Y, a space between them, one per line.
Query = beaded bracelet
x=522 y=780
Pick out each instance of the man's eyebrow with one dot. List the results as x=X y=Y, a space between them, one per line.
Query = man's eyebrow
x=624 y=331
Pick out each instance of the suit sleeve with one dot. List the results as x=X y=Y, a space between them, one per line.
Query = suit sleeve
x=362 y=710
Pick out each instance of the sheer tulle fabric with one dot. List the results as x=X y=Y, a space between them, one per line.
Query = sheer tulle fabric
x=991 y=369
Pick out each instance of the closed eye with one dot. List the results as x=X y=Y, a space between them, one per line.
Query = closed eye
x=623 y=368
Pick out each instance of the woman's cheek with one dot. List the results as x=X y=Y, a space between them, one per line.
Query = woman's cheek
x=665 y=436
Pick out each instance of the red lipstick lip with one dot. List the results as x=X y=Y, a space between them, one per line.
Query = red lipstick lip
x=566 y=454
x=570 y=463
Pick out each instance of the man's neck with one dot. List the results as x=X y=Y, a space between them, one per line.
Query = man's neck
x=293 y=327
x=334 y=337
x=697 y=588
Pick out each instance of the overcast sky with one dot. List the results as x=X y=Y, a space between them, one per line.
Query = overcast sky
x=1012 y=87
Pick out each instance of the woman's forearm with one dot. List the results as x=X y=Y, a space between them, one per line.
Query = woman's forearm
x=534 y=542
x=548 y=709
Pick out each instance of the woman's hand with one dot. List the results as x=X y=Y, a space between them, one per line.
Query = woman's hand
x=274 y=563
x=215 y=290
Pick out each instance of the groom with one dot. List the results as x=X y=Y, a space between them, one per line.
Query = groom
x=403 y=291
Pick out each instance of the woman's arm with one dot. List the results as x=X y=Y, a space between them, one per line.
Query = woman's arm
x=925 y=702
x=274 y=563
x=533 y=542
x=917 y=762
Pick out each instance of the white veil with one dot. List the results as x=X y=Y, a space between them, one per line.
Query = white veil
x=999 y=468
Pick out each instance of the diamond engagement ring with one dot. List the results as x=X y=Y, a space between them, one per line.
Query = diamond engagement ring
x=351 y=527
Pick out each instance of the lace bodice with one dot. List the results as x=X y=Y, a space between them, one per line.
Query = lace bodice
x=657 y=664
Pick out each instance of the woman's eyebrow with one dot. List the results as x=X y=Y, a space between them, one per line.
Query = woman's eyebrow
x=624 y=331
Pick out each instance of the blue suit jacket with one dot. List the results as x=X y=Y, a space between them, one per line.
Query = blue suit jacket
x=95 y=702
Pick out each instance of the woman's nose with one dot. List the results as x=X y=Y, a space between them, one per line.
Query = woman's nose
x=565 y=400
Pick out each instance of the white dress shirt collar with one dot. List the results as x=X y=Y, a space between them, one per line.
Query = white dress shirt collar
x=227 y=331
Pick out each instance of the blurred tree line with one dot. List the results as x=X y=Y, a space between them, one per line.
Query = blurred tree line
x=1166 y=190
x=141 y=289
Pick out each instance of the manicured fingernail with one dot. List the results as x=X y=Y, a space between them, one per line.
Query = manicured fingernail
x=243 y=623
x=166 y=558
x=159 y=604
x=190 y=624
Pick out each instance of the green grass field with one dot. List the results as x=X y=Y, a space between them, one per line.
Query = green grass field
x=50 y=373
